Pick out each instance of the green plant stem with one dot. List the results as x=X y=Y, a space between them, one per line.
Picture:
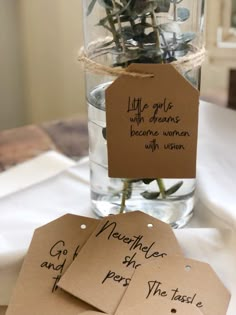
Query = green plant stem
x=126 y=186
x=165 y=42
x=175 y=19
x=126 y=194
x=155 y=29
x=161 y=186
x=120 y=28
x=175 y=11
x=129 y=11
x=113 y=29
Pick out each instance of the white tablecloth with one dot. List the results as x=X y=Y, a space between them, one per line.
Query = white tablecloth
x=36 y=193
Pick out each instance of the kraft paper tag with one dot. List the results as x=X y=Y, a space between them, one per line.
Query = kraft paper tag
x=180 y=280
x=163 y=307
x=119 y=245
x=53 y=248
x=152 y=124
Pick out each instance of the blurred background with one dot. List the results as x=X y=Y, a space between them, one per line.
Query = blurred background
x=40 y=79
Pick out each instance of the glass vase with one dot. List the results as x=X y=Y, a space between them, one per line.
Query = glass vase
x=118 y=33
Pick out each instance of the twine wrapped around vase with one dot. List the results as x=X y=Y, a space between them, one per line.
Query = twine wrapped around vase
x=194 y=59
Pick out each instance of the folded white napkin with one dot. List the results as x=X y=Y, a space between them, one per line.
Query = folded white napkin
x=54 y=187
x=209 y=236
x=216 y=161
x=33 y=171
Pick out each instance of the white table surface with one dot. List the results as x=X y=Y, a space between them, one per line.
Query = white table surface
x=214 y=221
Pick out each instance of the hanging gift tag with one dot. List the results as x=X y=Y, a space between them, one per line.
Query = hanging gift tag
x=163 y=307
x=180 y=280
x=53 y=248
x=119 y=245
x=152 y=124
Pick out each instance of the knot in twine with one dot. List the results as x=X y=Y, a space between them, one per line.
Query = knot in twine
x=194 y=59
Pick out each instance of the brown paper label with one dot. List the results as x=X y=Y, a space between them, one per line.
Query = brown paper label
x=163 y=307
x=53 y=248
x=119 y=245
x=180 y=280
x=152 y=124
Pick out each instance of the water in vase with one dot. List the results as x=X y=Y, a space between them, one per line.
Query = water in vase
x=114 y=195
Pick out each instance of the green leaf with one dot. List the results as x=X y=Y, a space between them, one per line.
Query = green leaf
x=105 y=45
x=181 y=49
x=91 y=6
x=171 y=27
x=104 y=133
x=123 y=18
x=187 y=37
x=163 y=6
x=141 y=7
x=150 y=195
x=151 y=37
x=128 y=58
x=183 y=14
x=107 y=4
x=176 y=1
x=170 y=59
x=147 y=181
x=174 y=188
x=189 y=76
x=133 y=180
x=139 y=28
x=181 y=39
x=127 y=32
x=104 y=20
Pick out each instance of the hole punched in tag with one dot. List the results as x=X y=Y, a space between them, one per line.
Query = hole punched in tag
x=150 y=225
x=83 y=226
x=173 y=311
x=188 y=267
